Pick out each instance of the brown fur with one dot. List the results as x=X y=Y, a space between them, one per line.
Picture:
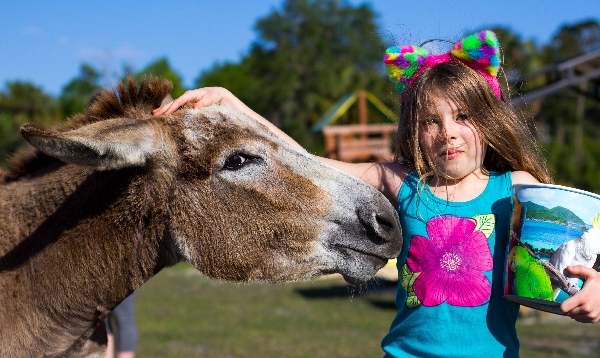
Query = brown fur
x=115 y=195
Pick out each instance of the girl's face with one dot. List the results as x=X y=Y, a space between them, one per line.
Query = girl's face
x=452 y=145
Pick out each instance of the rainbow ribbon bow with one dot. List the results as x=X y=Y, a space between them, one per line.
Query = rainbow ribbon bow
x=480 y=51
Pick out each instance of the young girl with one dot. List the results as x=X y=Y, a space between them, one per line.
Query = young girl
x=460 y=147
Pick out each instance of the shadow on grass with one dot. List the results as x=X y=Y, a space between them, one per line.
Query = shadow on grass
x=334 y=291
x=379 y=293
x=384 y=305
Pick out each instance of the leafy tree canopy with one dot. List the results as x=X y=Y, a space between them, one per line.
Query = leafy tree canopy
x=77 y=93
x=23 y=102
x=572 y=40
x=162 y=67
x=307 y=56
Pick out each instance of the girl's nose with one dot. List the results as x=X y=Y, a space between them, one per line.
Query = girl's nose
x=450 y=128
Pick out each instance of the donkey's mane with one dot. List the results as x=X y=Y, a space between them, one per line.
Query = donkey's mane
x=127 y=100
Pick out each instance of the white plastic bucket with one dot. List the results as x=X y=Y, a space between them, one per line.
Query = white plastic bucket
x=551 y=227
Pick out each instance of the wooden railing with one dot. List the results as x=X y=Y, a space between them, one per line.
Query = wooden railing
x=360 y=143
x=559 y=76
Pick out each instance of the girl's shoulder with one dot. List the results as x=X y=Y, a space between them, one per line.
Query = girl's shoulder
x=387 y=177
x=522 y=177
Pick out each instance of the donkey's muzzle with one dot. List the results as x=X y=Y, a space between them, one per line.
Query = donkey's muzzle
x=365 y=243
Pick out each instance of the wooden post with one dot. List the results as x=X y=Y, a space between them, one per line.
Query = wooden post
x=362 y=113
x=331 y=150
x=362 y=108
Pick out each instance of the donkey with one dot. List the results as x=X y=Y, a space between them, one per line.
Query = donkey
x=108 y=199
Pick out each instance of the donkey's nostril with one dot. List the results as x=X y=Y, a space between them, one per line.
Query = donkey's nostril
x=378 y=227
x=385 y=223
x=382 y=228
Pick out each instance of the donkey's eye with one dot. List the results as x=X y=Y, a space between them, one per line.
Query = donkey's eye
x=236 y=161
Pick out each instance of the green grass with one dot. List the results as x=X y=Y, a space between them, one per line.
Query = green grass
x=180 y=313
x=545 y=335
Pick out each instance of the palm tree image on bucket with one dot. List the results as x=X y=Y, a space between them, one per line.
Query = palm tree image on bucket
x=552 y=227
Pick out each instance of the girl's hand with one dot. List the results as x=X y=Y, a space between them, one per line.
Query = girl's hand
x=206 y=96
x=200 y=97
x=584 y=306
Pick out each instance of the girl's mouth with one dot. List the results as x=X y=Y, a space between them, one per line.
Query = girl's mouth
x=450 y=154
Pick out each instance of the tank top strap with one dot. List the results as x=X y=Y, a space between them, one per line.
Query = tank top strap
x=499 y=185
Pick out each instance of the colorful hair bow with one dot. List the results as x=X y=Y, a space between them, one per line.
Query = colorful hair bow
x=479 y=51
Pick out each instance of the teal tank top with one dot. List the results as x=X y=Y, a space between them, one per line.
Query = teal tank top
x=450 y=275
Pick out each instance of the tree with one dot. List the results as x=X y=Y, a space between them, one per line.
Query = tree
x=520 y=57
x=570 y=115
x=573 y=40
x=236 y=77
x=78 y=92
x=162 y=68
x=306 y=57
x=21 y=103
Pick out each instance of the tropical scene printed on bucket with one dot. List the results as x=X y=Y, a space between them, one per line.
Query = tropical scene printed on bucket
x=552 y=227
x=449 y=265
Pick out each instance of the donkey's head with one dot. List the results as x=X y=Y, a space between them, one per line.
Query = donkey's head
x=239 y=203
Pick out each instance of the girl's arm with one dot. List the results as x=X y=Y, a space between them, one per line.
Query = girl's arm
x=521 y=177
x=385 y=177
x=206 y=96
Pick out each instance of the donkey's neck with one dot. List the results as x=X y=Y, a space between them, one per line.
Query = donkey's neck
x=75 y=243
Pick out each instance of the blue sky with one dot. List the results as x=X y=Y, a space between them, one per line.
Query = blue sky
x=45 y=42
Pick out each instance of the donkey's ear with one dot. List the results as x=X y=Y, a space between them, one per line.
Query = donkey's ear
x=110 y=144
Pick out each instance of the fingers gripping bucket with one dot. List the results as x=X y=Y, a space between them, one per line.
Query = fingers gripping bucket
x=551 y=227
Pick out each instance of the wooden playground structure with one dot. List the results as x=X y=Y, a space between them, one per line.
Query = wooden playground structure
x=363 y=141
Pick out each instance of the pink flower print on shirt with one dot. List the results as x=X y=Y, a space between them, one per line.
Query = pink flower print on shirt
x=451 y=263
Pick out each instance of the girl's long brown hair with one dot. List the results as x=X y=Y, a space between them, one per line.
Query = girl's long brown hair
x=511 y=144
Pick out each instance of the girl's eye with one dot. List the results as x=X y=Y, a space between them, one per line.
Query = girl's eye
x=430 y=121
x=463 y=117
x=235 y=162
